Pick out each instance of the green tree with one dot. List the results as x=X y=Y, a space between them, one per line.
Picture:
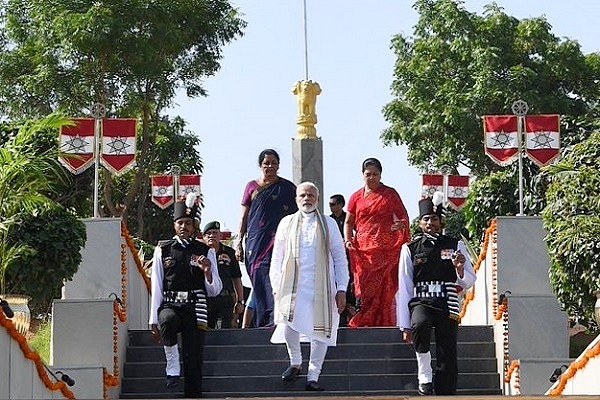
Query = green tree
x=175 y=146
x=573 y=224
x=459 y=66
x=132 y=56
x=27 y=177
x=56 y=237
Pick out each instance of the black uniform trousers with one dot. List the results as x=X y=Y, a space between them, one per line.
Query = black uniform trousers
x=220 y=307
x=423 y=320
x=181 y=317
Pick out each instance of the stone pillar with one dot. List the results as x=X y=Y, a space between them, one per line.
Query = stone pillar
x=307 y=155
x=307 y=148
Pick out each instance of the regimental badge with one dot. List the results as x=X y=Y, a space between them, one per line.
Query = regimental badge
x=446 y=254
x=420 y=258
x=168 y=262
x=224 y=259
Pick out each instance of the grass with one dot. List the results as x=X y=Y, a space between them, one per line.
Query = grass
x=39 y=338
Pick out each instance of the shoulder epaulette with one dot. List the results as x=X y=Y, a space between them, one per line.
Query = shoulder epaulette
x=165 y=243
x=416 y=238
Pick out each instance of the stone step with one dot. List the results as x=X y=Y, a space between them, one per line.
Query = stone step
x=271 y=367
x=366 y=361
x=345 y=335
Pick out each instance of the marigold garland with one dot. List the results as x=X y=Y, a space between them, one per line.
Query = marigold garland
x=514 y=368
x=501 y=311
x=138 y=262
x=573 y=368
x=119 y=314
x=489 y=235
x=35 y=357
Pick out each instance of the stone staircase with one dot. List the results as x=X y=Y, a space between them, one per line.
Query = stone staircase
x=366 y=362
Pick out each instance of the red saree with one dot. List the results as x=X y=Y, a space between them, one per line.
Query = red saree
x=376 y=253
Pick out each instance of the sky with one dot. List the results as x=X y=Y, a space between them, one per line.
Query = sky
x=250 y=105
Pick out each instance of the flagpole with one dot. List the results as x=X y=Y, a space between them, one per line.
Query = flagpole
x=97 y=112
x=445 y=170
x=175 y=171
x=520 y=108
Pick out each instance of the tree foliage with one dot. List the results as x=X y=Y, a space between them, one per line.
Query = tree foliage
x=56 y=237
x=28 y=176
x=131 y=56
x=459 y=66
x=573 y=224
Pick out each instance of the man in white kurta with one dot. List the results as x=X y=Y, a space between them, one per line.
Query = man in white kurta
x=309 y=276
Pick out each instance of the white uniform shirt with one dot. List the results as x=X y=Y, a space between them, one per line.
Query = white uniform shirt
x=156 y=278
x=406 y=286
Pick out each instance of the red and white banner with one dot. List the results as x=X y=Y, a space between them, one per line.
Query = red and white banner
x=118 y=144
x=542 y=138
x=431 y=184
x=458 y=189
x=500 y=138
x=162 y=190
x=77 y=145
x=189 y=184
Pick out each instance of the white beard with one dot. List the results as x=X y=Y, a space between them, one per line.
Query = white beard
x=308 y=208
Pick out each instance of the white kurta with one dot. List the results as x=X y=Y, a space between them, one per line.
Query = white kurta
x=406 y=286
x=302 y=321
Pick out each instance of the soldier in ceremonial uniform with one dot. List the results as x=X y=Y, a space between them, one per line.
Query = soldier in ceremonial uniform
x=433 y=269
x=184 y=272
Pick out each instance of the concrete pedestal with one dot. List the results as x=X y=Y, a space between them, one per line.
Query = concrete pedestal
x=537 y=327
x=307 y=157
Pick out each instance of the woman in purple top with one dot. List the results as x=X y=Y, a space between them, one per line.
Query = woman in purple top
x=265 y=201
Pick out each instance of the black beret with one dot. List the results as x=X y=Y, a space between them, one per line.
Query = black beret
x=212 y=225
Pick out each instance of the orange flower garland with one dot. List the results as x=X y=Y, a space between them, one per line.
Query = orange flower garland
x=35 y=357
x=490 y=234
x=574 y=367
x=130 y=244
x=514 y=368
x=119 y=314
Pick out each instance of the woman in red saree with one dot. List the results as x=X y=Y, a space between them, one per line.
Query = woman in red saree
x=376 y=227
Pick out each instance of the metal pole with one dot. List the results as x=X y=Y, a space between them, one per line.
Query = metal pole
x=97 y=112
x=445 y=170
x=305 y=43
x=176 y=171
x=519 y=146
x=520 y=108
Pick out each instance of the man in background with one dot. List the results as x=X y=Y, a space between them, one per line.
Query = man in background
x=336 y=205
x=224 y=308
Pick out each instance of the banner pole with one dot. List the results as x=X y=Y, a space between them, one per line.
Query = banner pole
x=520 y=150
x=175 y=171
x=97 y=112
x=520 y=109
x=445 y=170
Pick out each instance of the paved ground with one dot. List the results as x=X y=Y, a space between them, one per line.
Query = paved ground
x=591 y=397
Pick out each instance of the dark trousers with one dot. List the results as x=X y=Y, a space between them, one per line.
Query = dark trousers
x=182 y=318
x=220 y=307
x=423 y=320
